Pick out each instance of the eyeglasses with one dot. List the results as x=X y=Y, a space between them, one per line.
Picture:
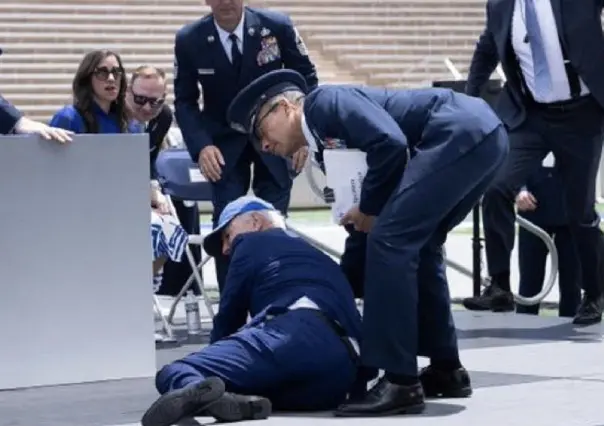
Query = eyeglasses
x=141 y=100
x=103 y=73
x=256 y=130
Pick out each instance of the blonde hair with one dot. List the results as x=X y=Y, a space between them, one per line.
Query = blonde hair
x=147 y=72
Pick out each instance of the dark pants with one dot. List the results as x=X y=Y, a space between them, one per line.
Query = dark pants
x=407 y=309
x=175 y=274
x=353 y=260
x=296 y=360
x=575 y=137
x=532 y=257
x=237 y=184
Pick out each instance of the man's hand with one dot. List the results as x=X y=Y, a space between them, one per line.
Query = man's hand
x=26 y=126
x=359 y=220
x=526 y=201
x=160 y=203
x=211 y=163
x=299 y=159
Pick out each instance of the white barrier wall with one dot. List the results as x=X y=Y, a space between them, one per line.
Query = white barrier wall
x=75 y=263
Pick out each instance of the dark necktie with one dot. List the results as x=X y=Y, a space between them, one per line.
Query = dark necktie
x=235 y=54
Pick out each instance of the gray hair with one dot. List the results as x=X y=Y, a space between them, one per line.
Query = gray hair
x=274 y=217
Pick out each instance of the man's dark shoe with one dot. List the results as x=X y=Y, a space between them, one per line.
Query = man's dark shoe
x=445 y=384
x=385 y=399
x=174 y=406
x=589 y=312
x=232 y=407
x=492 y=299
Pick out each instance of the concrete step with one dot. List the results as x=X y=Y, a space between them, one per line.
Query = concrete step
x=377 y=3
x=105 y=9
x=342 y=49
x=401 y=40
x=372 y=58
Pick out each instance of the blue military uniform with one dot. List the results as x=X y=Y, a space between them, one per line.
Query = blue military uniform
x=270 y=42
x=298 y=349
x=431 y=153
x=9 y=116
x=550 y=215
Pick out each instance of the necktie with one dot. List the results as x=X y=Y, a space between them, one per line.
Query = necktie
x=543 y=79
x=235 y=54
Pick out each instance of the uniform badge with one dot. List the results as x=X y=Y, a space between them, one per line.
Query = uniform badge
x=211 y=39
x=265 y=32
x=251 y=32
x=269 y=51
x=300 y=44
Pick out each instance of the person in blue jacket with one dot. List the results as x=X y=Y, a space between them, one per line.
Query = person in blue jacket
x=541 y=202
x=431 y=153
x=12 y=121
x=300 y=348
x=99 y=92
x=222 y=53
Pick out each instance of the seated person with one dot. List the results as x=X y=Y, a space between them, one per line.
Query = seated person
x=541 y=202
x=99 y=91
x=146 y=103
x=300 y=348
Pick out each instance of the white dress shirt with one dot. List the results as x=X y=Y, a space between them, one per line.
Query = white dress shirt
x=560 y=90
x=226 y=41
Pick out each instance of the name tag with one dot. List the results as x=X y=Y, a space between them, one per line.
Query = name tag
x=205 y=71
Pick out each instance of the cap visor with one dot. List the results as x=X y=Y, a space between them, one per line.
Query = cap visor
x=212 y=243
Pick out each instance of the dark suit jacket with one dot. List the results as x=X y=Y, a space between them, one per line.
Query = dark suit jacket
x=200 y=58
x=158 y=129
x=9 y=116
x=580 y=30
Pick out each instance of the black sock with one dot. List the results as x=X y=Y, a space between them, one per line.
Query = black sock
x=401 y=379
x=445 y=364
x=502 y=280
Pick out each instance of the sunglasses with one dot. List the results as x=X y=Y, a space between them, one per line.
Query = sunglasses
x=141 y=100
x=103 y=73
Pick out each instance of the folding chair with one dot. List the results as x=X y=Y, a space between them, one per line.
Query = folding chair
x=180 y=178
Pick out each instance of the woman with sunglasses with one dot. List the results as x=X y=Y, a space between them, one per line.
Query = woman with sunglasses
x=99 y=91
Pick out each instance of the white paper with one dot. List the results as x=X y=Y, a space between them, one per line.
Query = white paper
x=345 y=170
x=195 y=176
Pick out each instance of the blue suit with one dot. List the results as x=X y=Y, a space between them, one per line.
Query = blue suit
x=296 y=358
x=431 y=154
x=270 y=42
x=550 y=215
x=69 y=118
x=9 y=116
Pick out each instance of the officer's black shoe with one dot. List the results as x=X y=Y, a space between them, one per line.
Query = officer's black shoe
x=385 y=399
x=492 y=299
x=445 y=384
x=233 y=407
x=589 y=312
x=182 y=403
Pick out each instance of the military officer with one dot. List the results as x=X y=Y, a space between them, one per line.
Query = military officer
x=223 y=52
x=299 y=350
x=431 y=154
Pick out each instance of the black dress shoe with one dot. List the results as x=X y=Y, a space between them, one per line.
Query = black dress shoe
x=174 y=406
x=385 y=399
x=492 y=299
x=232 y=407
x=589 y=312
x=445 y=384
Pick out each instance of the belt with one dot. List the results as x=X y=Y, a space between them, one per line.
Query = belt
x=564 y=106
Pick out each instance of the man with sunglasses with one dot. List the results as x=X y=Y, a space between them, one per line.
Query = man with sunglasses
x=145 y=99
x=223 y=52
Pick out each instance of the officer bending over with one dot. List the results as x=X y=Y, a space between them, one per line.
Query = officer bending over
x=300 y=349
x=431 y=154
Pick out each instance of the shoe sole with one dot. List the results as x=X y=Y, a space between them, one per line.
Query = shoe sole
x=171 y=407
x=226 y=410
x=587 y=322
x=412 y=409
x=464 y=392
